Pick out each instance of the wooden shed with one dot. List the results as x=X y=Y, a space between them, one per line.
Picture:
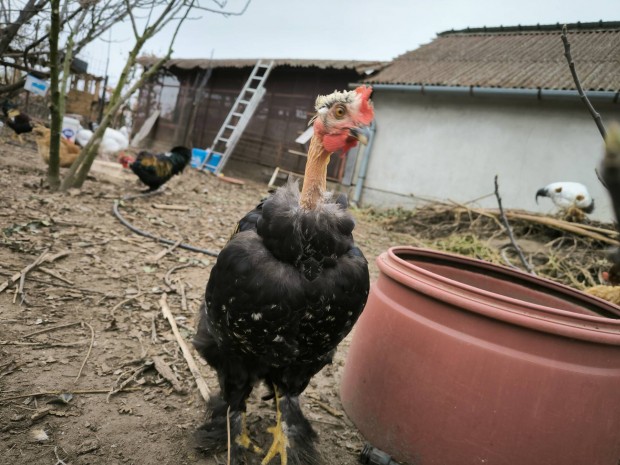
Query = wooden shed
x=194 y=97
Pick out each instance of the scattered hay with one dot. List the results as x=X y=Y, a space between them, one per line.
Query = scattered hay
x=570 y=253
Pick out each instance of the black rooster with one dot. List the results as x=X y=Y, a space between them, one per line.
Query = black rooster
x=155 y=169
x=19 y=122
x=285 y=290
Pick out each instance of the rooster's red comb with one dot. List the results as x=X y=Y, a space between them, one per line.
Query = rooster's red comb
x=366 y=111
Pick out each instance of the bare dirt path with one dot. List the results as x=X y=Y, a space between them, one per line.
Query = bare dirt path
x=110 y=282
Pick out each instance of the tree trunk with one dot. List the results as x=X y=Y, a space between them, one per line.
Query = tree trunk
x=53 y=173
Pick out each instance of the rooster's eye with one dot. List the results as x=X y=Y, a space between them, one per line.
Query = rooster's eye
x=340 y=111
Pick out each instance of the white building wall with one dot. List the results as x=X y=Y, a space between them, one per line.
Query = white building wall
x=451 y=147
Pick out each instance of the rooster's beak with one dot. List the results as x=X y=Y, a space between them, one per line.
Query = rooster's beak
x=362 y=134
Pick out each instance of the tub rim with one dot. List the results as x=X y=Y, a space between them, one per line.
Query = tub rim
x=593 y=328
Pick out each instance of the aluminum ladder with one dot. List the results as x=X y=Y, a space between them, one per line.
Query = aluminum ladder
x=239 y=116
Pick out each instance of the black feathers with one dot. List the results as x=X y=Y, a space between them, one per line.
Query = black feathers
x=155 y=170
x=16 y=120
x=284 y=292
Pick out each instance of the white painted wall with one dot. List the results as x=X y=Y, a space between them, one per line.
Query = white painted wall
x=439 y=147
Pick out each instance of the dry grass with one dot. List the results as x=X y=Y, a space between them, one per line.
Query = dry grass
x=567 y=252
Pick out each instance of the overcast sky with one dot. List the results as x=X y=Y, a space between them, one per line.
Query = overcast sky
x=339 y=29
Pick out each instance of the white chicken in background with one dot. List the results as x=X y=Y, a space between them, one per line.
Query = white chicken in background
x=568 y=196
x=113 y=140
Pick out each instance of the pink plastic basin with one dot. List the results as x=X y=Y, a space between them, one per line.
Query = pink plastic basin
x=457 y=361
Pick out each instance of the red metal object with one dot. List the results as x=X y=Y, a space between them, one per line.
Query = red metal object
x=457 y=361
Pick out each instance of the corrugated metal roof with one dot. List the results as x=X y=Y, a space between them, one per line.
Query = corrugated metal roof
x=362 y=67
x=516 y=57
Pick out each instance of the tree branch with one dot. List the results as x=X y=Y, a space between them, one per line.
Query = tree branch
x=526 y=264
x=571 y=64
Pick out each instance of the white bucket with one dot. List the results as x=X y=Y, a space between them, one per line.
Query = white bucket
x=70 y=127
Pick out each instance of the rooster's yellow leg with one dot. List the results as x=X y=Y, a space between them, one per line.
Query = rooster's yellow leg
x=280 y=441
x=244 y=439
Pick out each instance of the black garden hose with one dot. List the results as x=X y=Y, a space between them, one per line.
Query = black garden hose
x=126 y=223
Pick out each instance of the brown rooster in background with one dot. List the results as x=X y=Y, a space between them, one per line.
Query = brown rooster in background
x=68 y=150
x=285 y=290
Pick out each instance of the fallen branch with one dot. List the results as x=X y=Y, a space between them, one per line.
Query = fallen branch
x=328 y=408
x=53 y=274
x=563 y=225
x=51 y=328
x=525 y=263
x=21 y=276
x=123 y=302
x=582 y=230
x=183 y=296
x=166 y=372
x=193 y=368
x=92 y=341
x=137 y=372
x=67 y=286
x=158 y=256
x=57 y=393
x=161 y=206
x=167 y=279
x=42 y=344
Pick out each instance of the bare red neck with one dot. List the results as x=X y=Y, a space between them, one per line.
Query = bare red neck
x=315 y=177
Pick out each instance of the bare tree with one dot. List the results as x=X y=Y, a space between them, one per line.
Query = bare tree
x=8 y=33
x=80 y=168
x=25 y=39
x=32 y=40
x=174 y=11
x=53 y=173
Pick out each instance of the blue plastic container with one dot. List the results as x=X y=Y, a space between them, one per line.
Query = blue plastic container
x=199 y=155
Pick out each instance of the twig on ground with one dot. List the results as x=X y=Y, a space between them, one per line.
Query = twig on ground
x=166 y=372
x=57 y=393
x=51 y=328
x=43 y=258
x=53 y=274
x=154 y=339
x=564 y=225
x=328 y=408
x=526 y=264
x=90 y=348
x=172 y=270
x=137 y=372
x=502 y=252
x=123 y=302
x=181 y=287
x=191 y=363
x=66 y=286
x=161 y=206
x=158 y=256
x=35 y=345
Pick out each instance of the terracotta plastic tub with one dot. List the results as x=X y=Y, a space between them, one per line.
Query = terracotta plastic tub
x=457 y=361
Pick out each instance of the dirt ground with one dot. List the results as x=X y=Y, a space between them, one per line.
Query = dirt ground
x=90 y=321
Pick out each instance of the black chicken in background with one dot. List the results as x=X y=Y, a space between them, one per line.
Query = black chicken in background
x=19 y=122
x=155 y=169
x=285 y=290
